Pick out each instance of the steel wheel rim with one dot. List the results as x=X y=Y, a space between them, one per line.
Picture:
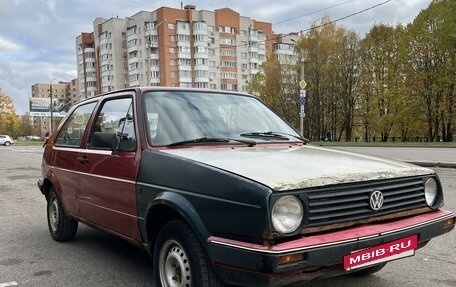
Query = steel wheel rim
x=174 y=265
x=54 y=214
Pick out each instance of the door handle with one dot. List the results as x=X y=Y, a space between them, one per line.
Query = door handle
x=82 y=159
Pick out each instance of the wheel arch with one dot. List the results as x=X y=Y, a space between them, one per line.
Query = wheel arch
x=169 y=206
x=51 y=181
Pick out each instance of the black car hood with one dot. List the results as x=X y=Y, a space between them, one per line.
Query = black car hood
x=293 y=167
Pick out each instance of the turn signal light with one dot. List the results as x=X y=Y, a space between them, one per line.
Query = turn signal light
x=292 y=258
x=449 y=222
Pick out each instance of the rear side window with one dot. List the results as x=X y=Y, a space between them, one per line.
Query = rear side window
x=73 y=130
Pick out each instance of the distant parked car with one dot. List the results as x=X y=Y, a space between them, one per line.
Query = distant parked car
x=6 y=140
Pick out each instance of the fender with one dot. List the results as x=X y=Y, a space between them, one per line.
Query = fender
x=52 y=180
x=180 y=205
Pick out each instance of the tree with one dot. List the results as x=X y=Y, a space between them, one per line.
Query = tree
x=383 y=80
x=331 y=68
x=432 y=61
x=8 y=118
x=24 y=126
x=277 y=86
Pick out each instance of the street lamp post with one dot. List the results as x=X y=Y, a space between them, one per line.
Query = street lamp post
x=302 y=91
x=302 y=99
x=51 y=108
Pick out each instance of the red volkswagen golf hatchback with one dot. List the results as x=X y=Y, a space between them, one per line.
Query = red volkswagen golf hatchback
x=220 y=190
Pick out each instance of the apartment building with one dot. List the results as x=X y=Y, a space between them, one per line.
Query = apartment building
x=87 y=66
x=176 y=47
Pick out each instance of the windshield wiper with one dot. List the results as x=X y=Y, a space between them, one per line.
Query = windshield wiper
x=304 y=140
x=274 y=136
x=265 y=135
x=250 y=143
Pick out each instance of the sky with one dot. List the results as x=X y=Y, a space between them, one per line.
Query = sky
x=37 y=37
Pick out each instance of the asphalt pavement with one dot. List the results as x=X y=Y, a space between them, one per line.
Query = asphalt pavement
x=30 y=258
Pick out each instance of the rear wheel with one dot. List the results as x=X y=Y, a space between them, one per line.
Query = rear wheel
x=60 y=226
x=179 y=259
x=369 y=270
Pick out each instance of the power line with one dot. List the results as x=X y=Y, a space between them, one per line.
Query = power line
x=330 y=22
x=313 y=12
x=347 y=16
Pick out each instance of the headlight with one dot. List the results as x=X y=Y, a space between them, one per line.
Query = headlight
x=430 y=191
x=287 y=214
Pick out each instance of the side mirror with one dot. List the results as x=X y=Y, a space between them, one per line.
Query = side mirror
x=104 y=141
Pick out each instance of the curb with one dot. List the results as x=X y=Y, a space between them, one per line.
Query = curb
x=433 y=164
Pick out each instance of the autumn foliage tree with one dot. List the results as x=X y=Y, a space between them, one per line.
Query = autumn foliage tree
x=331 y=70
x=277 y=85
x=432 y=66
x=8 y=118
x=397 y=83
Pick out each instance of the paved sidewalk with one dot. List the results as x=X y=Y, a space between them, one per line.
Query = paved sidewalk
x=424 y=156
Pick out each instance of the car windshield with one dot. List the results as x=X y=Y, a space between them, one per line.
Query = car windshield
x=176 y=116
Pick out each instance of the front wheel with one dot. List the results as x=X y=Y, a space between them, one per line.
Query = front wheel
x=179 y=259
x=60 y=226
x=7 y=144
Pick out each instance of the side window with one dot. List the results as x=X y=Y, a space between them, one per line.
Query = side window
x=73 y=129
x=115 y=118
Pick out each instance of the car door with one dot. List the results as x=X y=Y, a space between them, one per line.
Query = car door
x=63 y=156
x=108 y=197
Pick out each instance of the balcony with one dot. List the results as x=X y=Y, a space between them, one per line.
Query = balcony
x=132 y=49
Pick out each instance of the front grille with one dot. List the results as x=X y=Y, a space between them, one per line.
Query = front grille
x=351 y=201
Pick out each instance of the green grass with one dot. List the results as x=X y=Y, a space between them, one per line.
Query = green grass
x=390 y=144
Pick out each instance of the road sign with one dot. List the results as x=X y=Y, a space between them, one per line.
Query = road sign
x=303 y=84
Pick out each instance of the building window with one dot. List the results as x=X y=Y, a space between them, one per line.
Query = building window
x=183 y=25
x=227 y=41
x=199 y=25
x=171 y=26
x=183 y=38
x=155 y=74
x=200 y=61
x=171 y=50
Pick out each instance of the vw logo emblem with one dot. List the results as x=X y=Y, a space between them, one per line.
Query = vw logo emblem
x=376 y=200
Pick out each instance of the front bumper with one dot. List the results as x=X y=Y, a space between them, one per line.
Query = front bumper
x=246 y=264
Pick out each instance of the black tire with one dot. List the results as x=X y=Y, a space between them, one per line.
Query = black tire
x=179 y=259
x=60 y=226
x=369 y=270
x=7 y=144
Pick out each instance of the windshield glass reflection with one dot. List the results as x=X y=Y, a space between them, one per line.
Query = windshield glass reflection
x=174 y=116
